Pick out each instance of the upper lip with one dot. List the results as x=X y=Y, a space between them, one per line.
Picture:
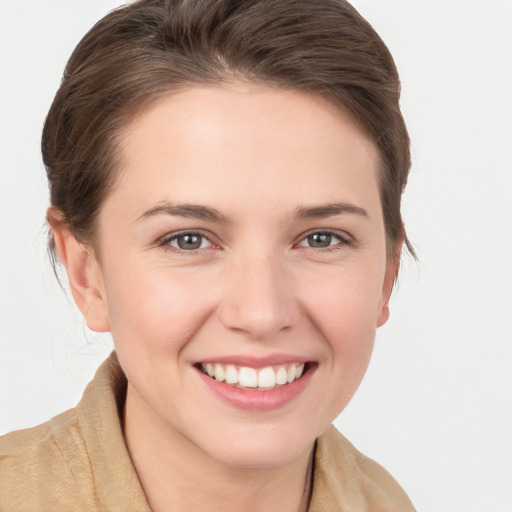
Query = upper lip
x=256 y=362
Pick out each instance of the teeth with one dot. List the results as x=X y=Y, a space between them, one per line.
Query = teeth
x=243 y=376
x=266 y=378
x=281 y=377
x=231 y=374
x=248 y=378
x=220 y=374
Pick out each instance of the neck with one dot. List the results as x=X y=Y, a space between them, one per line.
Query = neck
x=177 y=475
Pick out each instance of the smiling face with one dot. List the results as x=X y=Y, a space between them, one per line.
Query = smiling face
x=244 y=241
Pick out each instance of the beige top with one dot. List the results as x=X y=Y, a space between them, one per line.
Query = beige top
x=79 y=462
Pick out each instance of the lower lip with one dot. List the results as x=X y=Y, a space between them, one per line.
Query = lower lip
x=252 y=400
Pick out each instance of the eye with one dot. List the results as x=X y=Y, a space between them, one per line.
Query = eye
x=187 y=241
x=323 y=240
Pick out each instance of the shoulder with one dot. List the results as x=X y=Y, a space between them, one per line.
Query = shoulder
x=23 y=451
x=76 y=461
x=347 y=479
x=37 y=461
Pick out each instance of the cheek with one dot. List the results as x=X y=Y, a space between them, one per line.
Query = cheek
x=156 y=310
x=345 y=310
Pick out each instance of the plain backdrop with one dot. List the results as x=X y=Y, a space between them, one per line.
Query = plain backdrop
x=435 y=407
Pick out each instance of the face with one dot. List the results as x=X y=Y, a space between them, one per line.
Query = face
x=243 y=268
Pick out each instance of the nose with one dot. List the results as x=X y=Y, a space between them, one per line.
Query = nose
x=258 y=298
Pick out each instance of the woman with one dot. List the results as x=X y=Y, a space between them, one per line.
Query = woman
x=225 y=187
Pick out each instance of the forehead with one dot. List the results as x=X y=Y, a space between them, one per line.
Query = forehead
x=246 y=106
x=255 y=141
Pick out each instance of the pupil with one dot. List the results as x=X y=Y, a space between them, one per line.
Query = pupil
x=189 y=242
x=320 y=240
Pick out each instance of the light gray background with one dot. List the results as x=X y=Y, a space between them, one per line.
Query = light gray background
x=436 y=405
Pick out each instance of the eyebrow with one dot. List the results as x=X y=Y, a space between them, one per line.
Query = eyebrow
x=197 y=211
x=329 y=210
x=193 y=211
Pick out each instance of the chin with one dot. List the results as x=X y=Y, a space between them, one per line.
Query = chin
x=269 y=446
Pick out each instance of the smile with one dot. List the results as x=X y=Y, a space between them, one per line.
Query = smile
x=244 y=377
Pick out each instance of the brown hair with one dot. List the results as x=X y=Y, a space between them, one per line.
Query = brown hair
x=143 y=51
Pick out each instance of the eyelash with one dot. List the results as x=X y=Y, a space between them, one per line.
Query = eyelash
x=165 y=242
x=343 y=241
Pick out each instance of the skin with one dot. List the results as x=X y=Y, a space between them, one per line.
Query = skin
x=259 y=157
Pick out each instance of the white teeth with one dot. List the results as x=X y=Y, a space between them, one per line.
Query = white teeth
x=243 y=376
x=266 y=378
x=281 y=377
x=220 y=375
x=231 y=374
x=248 y=378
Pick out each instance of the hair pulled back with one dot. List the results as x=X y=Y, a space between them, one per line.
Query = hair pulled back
x=143 y=51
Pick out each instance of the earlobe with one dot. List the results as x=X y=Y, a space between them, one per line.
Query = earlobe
x=84 y=273
x=389 y=280
x=384 y=314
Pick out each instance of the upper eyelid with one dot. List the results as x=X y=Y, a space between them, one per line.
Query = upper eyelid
x=165 y=239
x=342 y=235
x=175 y=234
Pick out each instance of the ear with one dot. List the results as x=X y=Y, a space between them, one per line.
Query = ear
x=83 y=270
x=392 y=265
